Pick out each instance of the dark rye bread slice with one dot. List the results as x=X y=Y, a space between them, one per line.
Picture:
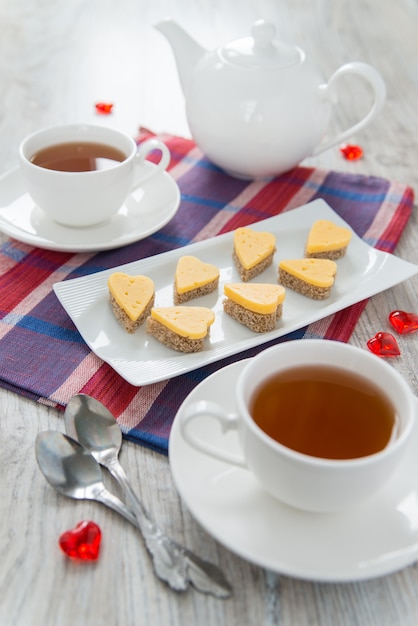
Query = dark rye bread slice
x=131 y=299
x=248 y=274
x=327 y=240
x=253 y=251
x=258 y=322
x=310 y=277
x=180 y=298
x=193 y=279
x=130 y=325
x=173 y=340
x=303 y=287
x=332 y=255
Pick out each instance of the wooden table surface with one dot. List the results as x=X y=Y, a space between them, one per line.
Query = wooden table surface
x=57 y=58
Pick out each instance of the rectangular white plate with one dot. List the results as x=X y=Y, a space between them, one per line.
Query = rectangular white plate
x=140 y=359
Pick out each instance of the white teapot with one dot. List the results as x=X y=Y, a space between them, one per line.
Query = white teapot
x=257 y=107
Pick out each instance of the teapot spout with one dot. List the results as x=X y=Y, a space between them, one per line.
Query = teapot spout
x=187 y=51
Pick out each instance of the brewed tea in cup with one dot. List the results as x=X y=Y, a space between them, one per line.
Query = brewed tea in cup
x=322 y=424
x=324 y=411
x=80 y=175
x=78 y=156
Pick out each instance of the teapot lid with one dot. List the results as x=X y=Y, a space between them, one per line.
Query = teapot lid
x=261 y=50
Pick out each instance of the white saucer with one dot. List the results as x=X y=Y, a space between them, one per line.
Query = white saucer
x=374 y=539
x=145 y=212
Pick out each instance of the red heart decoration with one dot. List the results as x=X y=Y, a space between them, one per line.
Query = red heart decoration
x=104 y=108
x=383 y=344
x=82 y=542
x=403 y=322
x=351 y=152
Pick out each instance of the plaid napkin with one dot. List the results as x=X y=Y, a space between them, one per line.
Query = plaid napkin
x=43 y=357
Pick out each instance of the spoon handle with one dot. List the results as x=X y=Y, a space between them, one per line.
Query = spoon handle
x=106 y=497
x=204 y=576
x=172 y=562
x=169 y=563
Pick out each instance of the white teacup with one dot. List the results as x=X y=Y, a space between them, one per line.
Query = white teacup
x=85 y=198
x=302 y=480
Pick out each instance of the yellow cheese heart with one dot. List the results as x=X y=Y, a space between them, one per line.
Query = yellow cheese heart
x=252 y=247
x=192 y=273
x=317 y=272
x=256 y=297
x=325 y=236
x=186 y=321
x=132 y=293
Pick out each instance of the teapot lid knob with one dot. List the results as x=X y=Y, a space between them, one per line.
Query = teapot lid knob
x=261 y=50
x=263 y=34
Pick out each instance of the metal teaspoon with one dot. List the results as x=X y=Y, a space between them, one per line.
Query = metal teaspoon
x=89 y=422
x=72 y=471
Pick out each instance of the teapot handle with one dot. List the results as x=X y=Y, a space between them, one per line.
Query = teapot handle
x=379 y=89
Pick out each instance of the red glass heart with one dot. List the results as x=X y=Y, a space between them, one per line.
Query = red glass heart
x=104 y=108
x=383 y=344
x=403 y=322
x=351 y=152
x=82 y=542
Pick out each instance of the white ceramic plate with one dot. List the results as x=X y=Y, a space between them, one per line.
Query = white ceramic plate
x=141 y=359
x=146 y=211
x=371 y=540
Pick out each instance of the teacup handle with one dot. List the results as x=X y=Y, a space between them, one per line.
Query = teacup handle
x=228 y=421
x=143 y=151
x=379 y=89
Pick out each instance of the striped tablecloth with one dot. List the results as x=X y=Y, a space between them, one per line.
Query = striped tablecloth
x=43 y=357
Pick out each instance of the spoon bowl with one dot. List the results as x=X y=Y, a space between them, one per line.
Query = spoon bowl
x=68 y=467
x=72 y=471
x=94 y=426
